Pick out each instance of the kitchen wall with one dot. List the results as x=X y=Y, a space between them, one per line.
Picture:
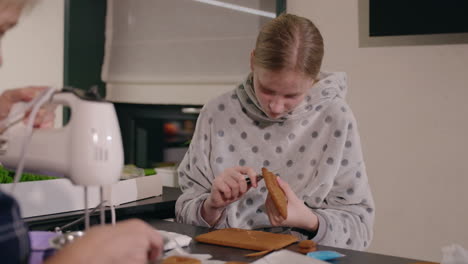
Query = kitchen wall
x=410 y=102
x=33 y=50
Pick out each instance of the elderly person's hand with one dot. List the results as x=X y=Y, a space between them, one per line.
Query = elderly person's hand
x=45 y=116
x=131 y=241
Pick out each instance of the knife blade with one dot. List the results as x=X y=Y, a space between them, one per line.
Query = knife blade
x=249 y=182
x=259 y=177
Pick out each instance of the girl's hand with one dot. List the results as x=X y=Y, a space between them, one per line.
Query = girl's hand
x=299 y=215
x=227 y=188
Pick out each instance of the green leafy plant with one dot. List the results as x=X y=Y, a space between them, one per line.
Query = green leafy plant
x=7 y=176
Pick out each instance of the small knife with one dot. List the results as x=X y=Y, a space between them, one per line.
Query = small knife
x=259 y=177
x=249 y=182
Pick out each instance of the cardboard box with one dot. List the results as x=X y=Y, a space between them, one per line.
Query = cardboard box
x=60 y=195
x=169 y=176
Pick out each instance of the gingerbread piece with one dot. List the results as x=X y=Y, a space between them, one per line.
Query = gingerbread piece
x=306 y=250
x=180 y=260
x=307 y=244
x=247 y=239
x=276 y=193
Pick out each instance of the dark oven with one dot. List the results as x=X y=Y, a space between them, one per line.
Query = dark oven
x=156 y=135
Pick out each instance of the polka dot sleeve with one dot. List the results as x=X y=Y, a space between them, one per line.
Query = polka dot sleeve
x=195 y=174
x=347 y=215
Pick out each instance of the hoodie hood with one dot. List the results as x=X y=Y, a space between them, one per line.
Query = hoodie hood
x=328 y=86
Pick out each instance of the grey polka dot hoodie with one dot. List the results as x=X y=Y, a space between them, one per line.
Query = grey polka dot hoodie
x=316 y=149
